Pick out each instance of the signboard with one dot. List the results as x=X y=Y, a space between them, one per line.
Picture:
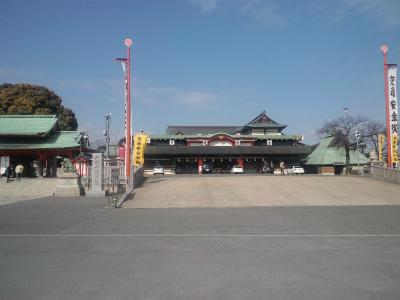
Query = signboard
x=394 y=149
x=114 y=175
x=381 y=140
x=5 y=162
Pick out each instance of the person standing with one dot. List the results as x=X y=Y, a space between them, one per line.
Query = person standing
x=8 y=173
x=282 y=166
x=18 y=171
x=271 y=168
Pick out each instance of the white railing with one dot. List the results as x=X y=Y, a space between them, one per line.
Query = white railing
x=384 y=173
x=136 y=176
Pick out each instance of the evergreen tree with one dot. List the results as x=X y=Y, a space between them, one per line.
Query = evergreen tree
x=28 y=99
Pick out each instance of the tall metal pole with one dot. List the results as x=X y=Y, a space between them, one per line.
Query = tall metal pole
x=128 y=42
x=128 y=130
x=384 y=48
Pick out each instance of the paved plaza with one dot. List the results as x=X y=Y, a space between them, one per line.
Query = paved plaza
x=262 y=190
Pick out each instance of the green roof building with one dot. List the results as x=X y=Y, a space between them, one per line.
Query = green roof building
x=329 y=157
x=28 y=138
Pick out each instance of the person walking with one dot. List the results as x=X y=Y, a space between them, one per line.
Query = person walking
x=282 y=166
x=18 y=171
x=8 y=173
x=265 y=167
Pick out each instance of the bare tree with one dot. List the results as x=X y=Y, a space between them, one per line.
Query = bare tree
x=344 y=129
x=371 y=131
x=99 y=144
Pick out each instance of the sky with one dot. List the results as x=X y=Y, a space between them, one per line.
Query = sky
x=204 y=62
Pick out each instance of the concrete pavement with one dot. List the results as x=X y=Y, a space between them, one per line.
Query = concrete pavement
x=76 y=248
x=261 y=190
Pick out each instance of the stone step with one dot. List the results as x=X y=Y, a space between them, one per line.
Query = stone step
x=30 y=187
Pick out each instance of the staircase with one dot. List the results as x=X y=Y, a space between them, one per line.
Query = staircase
x=26 y=189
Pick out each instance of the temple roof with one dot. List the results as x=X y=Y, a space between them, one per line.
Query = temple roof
x=55 y=140
x=328 y=153
x=28 y=125
x=195 y=130
x=233 y=136
x=261 y=121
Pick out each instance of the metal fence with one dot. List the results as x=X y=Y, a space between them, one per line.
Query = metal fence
x=392 y=175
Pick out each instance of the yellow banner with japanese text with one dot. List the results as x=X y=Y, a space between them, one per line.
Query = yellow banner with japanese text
x=395 y=158
x=381 y=140
x=138 y=149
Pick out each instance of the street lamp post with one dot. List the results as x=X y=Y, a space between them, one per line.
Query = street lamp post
x=107 y=133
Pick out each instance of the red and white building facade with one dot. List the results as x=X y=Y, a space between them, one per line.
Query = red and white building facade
x=185 y=149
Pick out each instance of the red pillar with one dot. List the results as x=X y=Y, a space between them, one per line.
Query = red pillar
x=240 y=162
x=200 y=164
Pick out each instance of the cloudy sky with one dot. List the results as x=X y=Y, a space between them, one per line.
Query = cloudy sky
x=204 y=62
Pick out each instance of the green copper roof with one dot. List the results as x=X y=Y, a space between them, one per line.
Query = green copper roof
x=55 y=140
x=325 y=155
x=208 y=136
x=31 y=125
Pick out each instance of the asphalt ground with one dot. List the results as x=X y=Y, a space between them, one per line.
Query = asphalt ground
x=78 y=248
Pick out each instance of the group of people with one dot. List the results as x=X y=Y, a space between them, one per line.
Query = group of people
x=18 y=172
x=270 y=169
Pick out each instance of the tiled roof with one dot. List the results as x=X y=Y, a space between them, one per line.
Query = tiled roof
x=325 y=155
x=261 y=121
x=194 y=130
x=31 y=125
x=233 y=136
x=55 y=140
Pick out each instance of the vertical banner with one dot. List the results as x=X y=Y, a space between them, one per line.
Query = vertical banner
x=138 y=149
x=394 y=149
x=121 y=152
x=393 y=111
x=126 y=101
x=381 y=140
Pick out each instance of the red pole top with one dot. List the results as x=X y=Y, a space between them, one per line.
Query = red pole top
x=128 y=42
